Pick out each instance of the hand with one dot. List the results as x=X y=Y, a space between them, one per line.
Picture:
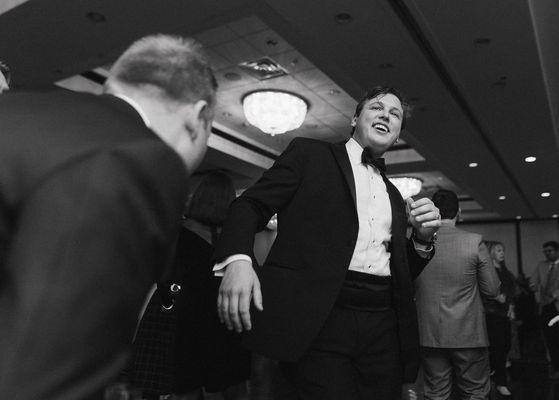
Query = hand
x=510 y=313
x=501 y=298
x=424 y=217
x=408 y=392
x=238 y=286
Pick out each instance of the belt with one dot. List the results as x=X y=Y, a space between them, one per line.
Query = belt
x=365 y=292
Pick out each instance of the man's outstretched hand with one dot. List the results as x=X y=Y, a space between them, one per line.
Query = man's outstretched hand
x=238 y=287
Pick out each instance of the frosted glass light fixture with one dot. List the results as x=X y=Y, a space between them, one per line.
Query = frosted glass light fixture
x=274 y=111
x=407 y=185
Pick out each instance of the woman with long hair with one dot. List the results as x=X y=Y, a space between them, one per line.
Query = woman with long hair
x=499 y=312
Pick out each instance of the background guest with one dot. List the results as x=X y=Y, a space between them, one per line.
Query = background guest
x=203 y=354
x=545 y=282
x=499 y=311
x=452 y=330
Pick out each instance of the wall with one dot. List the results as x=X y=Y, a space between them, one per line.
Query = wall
x=522 y=239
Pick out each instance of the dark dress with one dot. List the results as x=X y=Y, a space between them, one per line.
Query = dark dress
x=499 y=326
x=203 y=352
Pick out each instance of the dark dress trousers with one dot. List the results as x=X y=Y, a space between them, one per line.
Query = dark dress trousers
x=312 y=189
x=90 y=201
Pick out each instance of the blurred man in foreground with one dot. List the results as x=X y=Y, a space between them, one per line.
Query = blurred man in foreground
x=91 y=193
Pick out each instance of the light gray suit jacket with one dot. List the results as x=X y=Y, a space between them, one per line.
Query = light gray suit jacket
x=448 y=291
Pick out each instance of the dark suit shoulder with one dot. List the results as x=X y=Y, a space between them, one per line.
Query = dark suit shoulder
x=309 y=143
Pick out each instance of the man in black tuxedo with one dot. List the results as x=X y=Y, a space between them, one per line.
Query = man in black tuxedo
x=335 y=295
x=91 y=193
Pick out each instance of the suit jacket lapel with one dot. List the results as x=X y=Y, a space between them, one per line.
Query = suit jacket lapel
x=340 y=154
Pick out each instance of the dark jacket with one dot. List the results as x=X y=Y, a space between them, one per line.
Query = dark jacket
x=311 y=187
x=90 y=202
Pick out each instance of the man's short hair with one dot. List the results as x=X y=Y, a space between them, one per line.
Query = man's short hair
x=211 y=199
x=551 y=243
x=447 y=203
x=383 y=90
x=5 y=70
x=175 y=65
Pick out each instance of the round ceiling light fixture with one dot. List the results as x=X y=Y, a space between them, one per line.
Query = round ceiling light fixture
x=408 y=186
x=275 y=111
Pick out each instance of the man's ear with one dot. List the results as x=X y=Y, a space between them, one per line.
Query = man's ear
x=200 y=111
x=195 y=117
x=353 y=121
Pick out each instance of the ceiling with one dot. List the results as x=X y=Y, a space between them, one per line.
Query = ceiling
x=483 y=78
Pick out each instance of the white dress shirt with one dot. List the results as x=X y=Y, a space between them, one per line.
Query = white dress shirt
x=371 y=254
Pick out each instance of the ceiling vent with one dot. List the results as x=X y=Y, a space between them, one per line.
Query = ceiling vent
x=263 y=68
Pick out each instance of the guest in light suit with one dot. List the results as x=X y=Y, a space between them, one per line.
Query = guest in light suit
x=335 y=295
x=452 y=330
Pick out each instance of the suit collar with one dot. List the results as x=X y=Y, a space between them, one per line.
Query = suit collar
x=125 y=107
x=136 y=107
x=341 y=156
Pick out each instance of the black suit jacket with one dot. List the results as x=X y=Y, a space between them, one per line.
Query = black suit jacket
x=311 y=187
x=90 y=200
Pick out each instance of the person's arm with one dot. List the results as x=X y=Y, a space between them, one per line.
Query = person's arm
x=488 y=280
x=424 y=216
x=248 y=215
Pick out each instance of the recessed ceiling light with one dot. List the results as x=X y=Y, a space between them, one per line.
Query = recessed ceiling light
x=482 y=41
x=95 y=17
x=502 y=197
x=232 y=76
x=272 y=42
x=386 y=66
x=343 y=18
x=545 y=194
x=530 y=159
x=555 y=216
x=518 y=217
x=473 y=164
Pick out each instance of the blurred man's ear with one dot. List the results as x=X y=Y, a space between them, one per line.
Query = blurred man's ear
x=3 y=83
x=202 y=111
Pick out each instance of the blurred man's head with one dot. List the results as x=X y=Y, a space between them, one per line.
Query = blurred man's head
x=4 y=77
x=171 y=80
x=447 y=203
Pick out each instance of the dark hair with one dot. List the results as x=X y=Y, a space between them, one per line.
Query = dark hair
x=5 y=70
x=175 y=65
x=378 y=91
x=551 y=243
x=447 y=203
x=211 y=199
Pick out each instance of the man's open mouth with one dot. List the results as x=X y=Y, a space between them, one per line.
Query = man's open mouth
x=381 y=127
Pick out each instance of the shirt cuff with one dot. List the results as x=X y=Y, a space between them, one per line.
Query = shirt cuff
x=219 y=268
x=422 y=250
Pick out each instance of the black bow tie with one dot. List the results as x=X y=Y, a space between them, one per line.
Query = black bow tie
x=368 y=159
